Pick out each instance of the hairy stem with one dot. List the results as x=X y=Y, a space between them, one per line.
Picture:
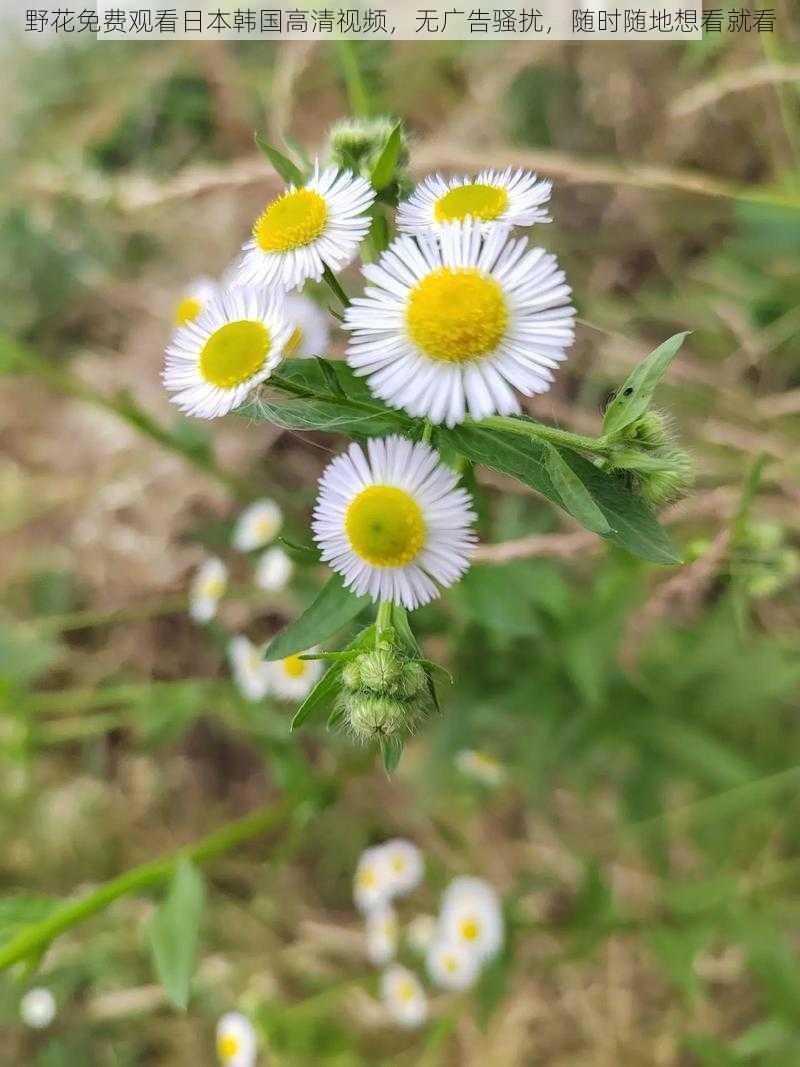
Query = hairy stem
x=598 y=446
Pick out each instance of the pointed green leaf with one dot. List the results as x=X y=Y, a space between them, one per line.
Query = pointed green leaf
x=289 y=171
x=323 y=692
x=333 y=608
x=384 y=169
x=574 y=495
x=391 y=751
x=329 y=415
x=633 y=399
x=307 y=554
x=175 y=930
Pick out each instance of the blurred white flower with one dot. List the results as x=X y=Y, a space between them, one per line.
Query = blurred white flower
x=37 y=1008
x=293 y=678
x=273 y=571
x=208 y=588
x=386 y=871
x=481 y=767
x=371 y=880
x=257 y=525
x=310 y=328
x=420 y=933
x=250 y=671
x=452 y=965
x=237 y=1045
x=383 y=934
x=405 y=866
x=404 y=997
x=193 y=299
x=471 y=917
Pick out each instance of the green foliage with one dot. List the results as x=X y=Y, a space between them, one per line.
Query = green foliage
x=330 y=612
x=174 y=933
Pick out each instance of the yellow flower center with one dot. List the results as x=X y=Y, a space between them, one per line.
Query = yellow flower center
x=234 y=353
x=227 y=1047
x=406 y=991
x=366 y=878
x=293 y=343
x=450 y=964
x=294 y=666
x=470 y=929
x=484 y=202
x=398 y=864
x=294 y=220
x=187 y=310
x=384 y=526
x=457 y=315
x=212 y=588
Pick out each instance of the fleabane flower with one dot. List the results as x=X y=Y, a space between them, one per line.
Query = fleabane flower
x=237 y=1044
x=311 y=331
x=305 y=229
x=452 y=965
x=471 y=917
x=404 y=997
x=371 y=881
x=404 y=864
x=38 y=1008
x=193 y=299
x=481 y=767
x=273 y=570
x=234 y=344
x=393 y=522
x=293 y=678
x=382 y=934
x=513 y=197
x=257 y=525
x=208 y=588
x=455 y=325
x=250 y=671
x=420 y=933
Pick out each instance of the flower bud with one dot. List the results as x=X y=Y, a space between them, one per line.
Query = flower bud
x=413 y=679
x=371 y=717
x=357 y=144
x=351 y=676
x=671 y=480
x=652 y=430
x=380 y=671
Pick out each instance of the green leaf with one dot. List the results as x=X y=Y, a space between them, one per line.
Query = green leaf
x=174 y=932
x=391 y=751
x=334 y=608
x=307 y=554
x=633 y=399
x=17 y=912
x=383 y=171
x=289 y=171
x=632 y=523
x=327 y=415
x=574 y=495
x=320 y=696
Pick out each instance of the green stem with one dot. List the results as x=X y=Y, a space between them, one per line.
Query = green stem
x=36 y=937
x=598 y=446
x=383 y=621
x=357 y=95
x=333 y=284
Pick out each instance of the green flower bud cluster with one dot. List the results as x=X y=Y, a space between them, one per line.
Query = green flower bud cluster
x=384 y=694
x=357 y=144
x=662 y=470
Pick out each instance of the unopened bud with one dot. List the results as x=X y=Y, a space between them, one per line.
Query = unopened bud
x=652 y=430
x=351 y=676
x=380 y=671
x=371 y=717
x=671 y=481
x=357 y=144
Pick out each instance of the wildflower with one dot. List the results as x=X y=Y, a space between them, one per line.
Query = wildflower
x=319 y=224
x=194 y=299
x=293 y=678
x=250 y=671
x=420 y=933
x=481 y=767
x=383 y=934
x=257 y=525
x=471 y=917
x=208 y=588
x=452 y=965
x=404 y=996
x=405 y=865
x=371 y=882
x=310 y=330
x=457 y=324
x=37 y=1008
x=512 y=197
x=273 y=571
x=237 y=1044
x=357 y=144
x=215 y=361
x=393 y=523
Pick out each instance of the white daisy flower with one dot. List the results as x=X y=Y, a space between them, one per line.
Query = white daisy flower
x=311 y=331
x=513 y=197
x=208 y=588
x=404 y=997
x=293 y=678
x=37 y=1008
x=257 y=525
x=250 y=670
x=274 y=570
x=420 y=933
x=471 y=917
x=452 y=965
x=237 y=1044
x=371 y=881
x=194 y=298
x=405 y=865
x=383 y=934
x=214 y=361
x=481 y=767
x=394 y=523
x=457 y=324
x=320 y=224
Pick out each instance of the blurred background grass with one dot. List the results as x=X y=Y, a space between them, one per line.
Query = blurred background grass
x=646 y=842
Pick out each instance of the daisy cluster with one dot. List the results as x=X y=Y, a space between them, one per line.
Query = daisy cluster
x=455 y=946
